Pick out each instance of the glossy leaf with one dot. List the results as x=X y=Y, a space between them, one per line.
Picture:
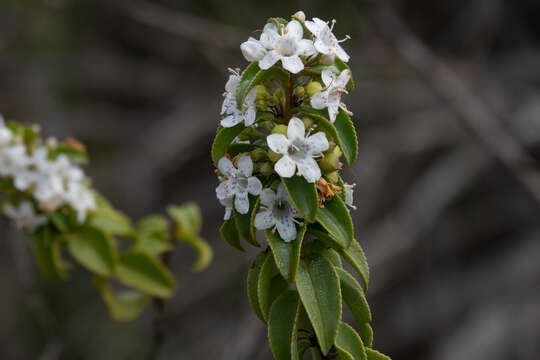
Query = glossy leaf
x=270 y=285
x=229 y=233
x=253 y=76
x=205 y=253
x=123 y=305
x=366 y=333
x=349 y=344
x=286 y=255
x=153 y=235
x=93 y=249
x=108 y=219
x=319 y=289
x=253 y=284
x=303 y=196
x=143 y=272
x=342 y=130
x=335 y=218
x=223 y=140
x=375 y=355
x=48 y=254
x=244 y=222
x=354 y=297
x=187 y=218
x=282 y=326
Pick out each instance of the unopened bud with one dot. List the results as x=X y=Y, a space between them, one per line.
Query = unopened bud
x=313 y=87
x=280 y=129
x=261 y=92
x=300 y=16
x=300 y=92
x=266 y=169
x=328 y=59
x=308 y=122
x=330 y=162
x=274 y=156
x=258 y=154
x=333 y=177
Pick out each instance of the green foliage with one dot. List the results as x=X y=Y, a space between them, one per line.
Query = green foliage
x=123 y=305
x=244 y=222
x=229 y=233
x=270 y=285
x=286 y=255
x=335 y=219
x=253 y=284
x=254 y=76
x=93 y=249
x=282 y=325
x=303 y=195
x=348 y=343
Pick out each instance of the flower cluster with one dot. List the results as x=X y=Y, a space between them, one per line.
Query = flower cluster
x=43 y=178
x=280 y=138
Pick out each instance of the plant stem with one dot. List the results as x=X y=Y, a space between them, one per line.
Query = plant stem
x=160 y=318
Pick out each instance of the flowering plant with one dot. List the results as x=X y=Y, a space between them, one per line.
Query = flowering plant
x=45 y=192
x=277 y=154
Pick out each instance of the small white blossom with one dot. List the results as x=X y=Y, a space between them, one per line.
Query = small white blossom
x=349 y=190
x=25 y=216
x=330 y=97
x=298 y=151
x=235 y=116
x=228 y=204
x=5 y=133
x=274 y=46
x=325 y=41
x=278 y=212
x=238 y=182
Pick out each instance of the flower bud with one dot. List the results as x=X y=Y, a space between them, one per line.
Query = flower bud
x=300 y=16
x=252 y=50
x=280 y=129
x=274 y=156
x=258 y=154
x=328 y=59
x=331 y=162
x=266 y=169
x=300 y=92
x=308 y=122
x=333 y=177
x=313 y=87
x=261 y=92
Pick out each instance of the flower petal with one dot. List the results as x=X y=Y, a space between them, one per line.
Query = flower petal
x=241 y=201
x=328 y=78
x=305 y=48
x=343 y=78
x=321 y=46
x=294 y=29
x=232 y=83
x=320 y=100
x=295 y=129
x=292 y=64
x=285 y=167
x=225 y=190
x=282 y=193
x=316 y=144
x=269 y=36
x=226 y=167
x=333 y=111
x=268 y=197
x=254 y=186
x=250 y=116
x=309 y=169
x=232 y=120
x=269 y=60
x=245 y=165
x=252 y=50
x=264 y=220
x=286 y=228
x=278 y=143
x=340 y=53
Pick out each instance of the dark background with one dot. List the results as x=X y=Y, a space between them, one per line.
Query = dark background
x=447 y=108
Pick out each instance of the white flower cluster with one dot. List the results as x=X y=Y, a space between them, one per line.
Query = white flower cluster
x=52 y=183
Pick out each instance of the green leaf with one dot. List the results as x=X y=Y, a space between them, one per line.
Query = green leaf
x=282 y=326
x=253 y=284
x=340 y=65
x=72 y=154
x=342 y=130
x=348 y=343
x=303 y=195
x=244 y=222
x=335 y=218
x=278 y=21
x=230 y=234
x=108 y=219
x=60 y=220
x=354 y=297
x=375 y=355
x=286 y=254
x=270 y=285
x=318 y=286
x=93 y=249
x=143 y=272
x=188 y=219
x=253 y=76
x=48 y=254
x=204 y=252
x=153 y=235
x=223 y=140
x=366 y=333
x=122 y=305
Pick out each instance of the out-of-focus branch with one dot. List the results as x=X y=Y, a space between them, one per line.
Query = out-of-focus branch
x=459 y=97
x=185 y=25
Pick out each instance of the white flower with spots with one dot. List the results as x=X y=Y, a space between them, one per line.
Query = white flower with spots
x=284 y=44
x=298 y=151
x=238 y=182
x=277 y=213
x=25 y=216
x=325 y=41
x=330 y=97
x=235 y=116
x=228 y=205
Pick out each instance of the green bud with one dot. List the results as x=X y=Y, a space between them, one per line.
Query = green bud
x=261 y=92
x=274 y=156
x=313 y=87
x=300 y=92
x=266 y=169
x=308 y=122
x=280 y=129
x=261 y=105
x=330 y=162
x=333 y=177
x=258 y=154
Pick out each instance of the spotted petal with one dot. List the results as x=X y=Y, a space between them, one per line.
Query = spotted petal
x=320 y=100
x=226 y=167
x=286 y=228
x=309 y=168
x=278 y=143
x=264 y=220
x=296 y=129
x=225 y=190
x=232 y=120
x=245 y=165
x=254 y=186
x=285 y=167
x=268 y=197
x=292 y=64
x=241 y=201
x=269 y=60
x=316 y=144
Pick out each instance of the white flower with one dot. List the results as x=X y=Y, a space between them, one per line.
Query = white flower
x=228 y=204
x=252 y=50
x=330 y=97
x=287 y=47
x=24 y=215
x=238 y=182
x=235 y=116
x=325 y=41
x=348 y=190
x=298 y=151
x=80 y=198
x=5 y=133
x=278 y=212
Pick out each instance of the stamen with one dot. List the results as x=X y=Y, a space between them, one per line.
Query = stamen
x=333 y=23
x=347 y=37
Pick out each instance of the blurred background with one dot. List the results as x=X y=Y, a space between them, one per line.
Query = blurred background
x=447 y=108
